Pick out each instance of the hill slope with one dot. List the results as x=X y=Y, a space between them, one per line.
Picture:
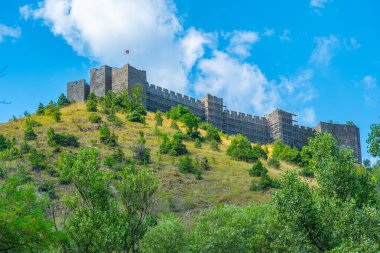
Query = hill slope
x=227 y=182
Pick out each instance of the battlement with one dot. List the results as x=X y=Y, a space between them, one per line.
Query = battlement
x=278 y=125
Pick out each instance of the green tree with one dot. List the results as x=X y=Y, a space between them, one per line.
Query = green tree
x=40 y=110
x=258 y=169
x=213 y=134
x=24 y=226
x=241 y=149
x=374 y=140
x=107 y=137
x=168 y=236
x=29 y=134
x=62 y=100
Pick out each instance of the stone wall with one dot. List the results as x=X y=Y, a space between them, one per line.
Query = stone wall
x=78 y=91
x=278 y=125
x=162 y=99
x=347 y=136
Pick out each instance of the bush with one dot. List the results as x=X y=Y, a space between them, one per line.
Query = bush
x=91 y=103
x=94 y=118
x=214 y=145
x=141 y=153
x=37 y=160
x=4 y=143
x=32 y=123
x=64 y=140
x=158 y=118
x=274 y=163
x=25 y=147
x=186 y=165
x=135 y=116
x=10 y=154
x=306 y=172
x=48 y=187
x=204 y=164
x=285 y=152
x=258 y=170
x=29 y=134
x=197 y=143
x=265 y=184
x=106 y=137
x=258 y=151
x=213 y=134
x=173 y=147
x=241 y=149
x=174 y=125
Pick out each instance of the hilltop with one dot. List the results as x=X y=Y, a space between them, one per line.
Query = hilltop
x=227 y=182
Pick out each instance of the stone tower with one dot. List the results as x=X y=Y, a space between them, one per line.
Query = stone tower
x=346 y=136
x=78 y=91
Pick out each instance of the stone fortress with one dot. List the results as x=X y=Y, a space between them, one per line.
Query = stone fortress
x=278 y=125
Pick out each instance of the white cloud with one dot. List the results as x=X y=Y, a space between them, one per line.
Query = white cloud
x=193 y=46
x=103 y=29
x=299 y=86
x=242 y=85
x=324 y=50
x=241 y=43
x=268 y=32
x=307 y=116
x=6 y=31
x=318 y=3
x=369 y=82
x=285 y=36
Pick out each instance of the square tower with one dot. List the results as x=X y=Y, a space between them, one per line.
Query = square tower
x=214 y=111
x=78 y=91
x=101 y=80
x=281 y=126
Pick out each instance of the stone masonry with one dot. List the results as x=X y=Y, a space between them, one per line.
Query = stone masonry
x=278 y=125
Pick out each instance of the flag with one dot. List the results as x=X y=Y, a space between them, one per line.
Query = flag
x=127 y=51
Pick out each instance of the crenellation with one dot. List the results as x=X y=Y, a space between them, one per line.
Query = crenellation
x=278 y=125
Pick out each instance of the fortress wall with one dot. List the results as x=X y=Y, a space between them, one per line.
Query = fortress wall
x=301 y=135
x=162 y=99
x=254 y=127
x=119 y=79
x=347 y=136
x=78 y=91
x=214 y=111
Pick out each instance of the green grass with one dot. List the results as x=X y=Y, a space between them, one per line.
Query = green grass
x=227 y=182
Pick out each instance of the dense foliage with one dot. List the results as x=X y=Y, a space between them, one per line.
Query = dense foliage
x=241 y=149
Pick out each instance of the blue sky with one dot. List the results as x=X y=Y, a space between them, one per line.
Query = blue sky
x=317 y=58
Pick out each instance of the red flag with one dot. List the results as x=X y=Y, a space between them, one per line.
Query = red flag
x=127 y=51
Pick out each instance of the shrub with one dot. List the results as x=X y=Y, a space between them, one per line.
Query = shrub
x=174 y=125
x=197 y=143
x=265 y=184
x=32 y=123
x=117 y=161
x=306 y=172
x=94 y=118
x=4 y=143
x=186 y=165
x=64 y=140
x=141 y=153
x=158 y=118
x=214 y=145
x=62 y=101
x=37 y=160
x=258 y=169
x=204 y=125
x=29 y=134
x=285 y=152
x=10 y=154
x=204 y=164
x=91 y=103
x=25 y=147
x=258 y=151
x=40 y=110
x=173 y=147
x=106 y=137
x=135 y=116
x=274 y=163
x=213 y=134
x=48 y=187
x=241 y=149
x=178 y=112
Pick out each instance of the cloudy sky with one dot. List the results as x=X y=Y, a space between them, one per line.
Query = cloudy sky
x=317 y=58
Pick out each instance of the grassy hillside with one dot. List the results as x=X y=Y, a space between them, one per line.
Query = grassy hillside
x=228 y=181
